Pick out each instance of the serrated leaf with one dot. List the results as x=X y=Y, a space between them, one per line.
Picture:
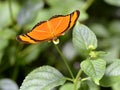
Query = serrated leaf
x=29 y=11
x=94 y=69
x=113 y=2
x=83 y=37
x=43 y=78
x=112 y=74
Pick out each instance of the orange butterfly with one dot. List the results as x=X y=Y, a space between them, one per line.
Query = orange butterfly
x=50 y=29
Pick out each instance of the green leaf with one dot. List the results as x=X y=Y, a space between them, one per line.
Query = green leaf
x=88 y=85
x=92 y=85
x=43 y=78
x=94 y=69
x=8 y=84
x=113 y=2
x=112 y=74
x=69 y=86
x=112 y=55
x=83 y=38
x=84 y=86
x=29 y=11
x=116 y=86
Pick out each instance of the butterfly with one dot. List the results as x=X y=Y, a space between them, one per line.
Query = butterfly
x=51 y=29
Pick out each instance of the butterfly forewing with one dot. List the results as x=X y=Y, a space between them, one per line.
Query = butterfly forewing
x=50 y=29
x=40 y=32
x=74 y=17
x=59 y=24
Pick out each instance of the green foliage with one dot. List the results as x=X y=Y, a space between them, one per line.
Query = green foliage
x=69 y=86
x=84 y=39
x=43 y=78
x=88 y=85
x=94 y=69
x=96 y=60
x=112 y=74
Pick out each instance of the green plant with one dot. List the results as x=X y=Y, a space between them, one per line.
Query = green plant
x=17 y=60
x=94 y=66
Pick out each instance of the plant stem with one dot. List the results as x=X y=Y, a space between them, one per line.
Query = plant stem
x=84 y=79
x=64 y=60
x=77 y=78
x=79 y=74
x=10 y=10
x=69 y=79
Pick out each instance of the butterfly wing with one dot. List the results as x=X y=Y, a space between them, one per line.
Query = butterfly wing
x=50 y=29
x=40 y=32
x=74 y=17
x=65 y=23
x=58 y=24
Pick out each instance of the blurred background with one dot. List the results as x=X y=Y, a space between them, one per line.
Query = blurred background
x=19 y=16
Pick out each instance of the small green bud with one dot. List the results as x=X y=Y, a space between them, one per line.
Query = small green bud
x=91 y=47
x=93 y=54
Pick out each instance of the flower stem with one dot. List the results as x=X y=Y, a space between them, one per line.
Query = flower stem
x=64 y=60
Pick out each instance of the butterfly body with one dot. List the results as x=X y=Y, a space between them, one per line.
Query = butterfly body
x=50 y=29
